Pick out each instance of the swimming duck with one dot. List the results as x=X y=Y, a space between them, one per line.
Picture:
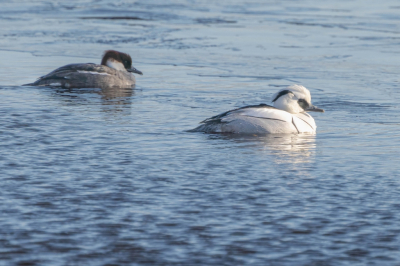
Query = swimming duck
x=115 y=70
x=287 y=115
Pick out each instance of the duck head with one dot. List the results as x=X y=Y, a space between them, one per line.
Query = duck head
x=119 y=61
x=294 y=99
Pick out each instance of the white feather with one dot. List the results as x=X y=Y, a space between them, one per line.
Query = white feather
x=92 y=72
x=266 y=113
x=115 y=64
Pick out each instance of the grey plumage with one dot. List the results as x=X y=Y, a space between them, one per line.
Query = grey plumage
x=86 y=76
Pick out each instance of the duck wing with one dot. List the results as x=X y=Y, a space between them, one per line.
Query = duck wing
x=64 y=72
x=71 y=68
x=251 y=119
x=262 y=111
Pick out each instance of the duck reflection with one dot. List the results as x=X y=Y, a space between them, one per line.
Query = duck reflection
x=113 y=100
x=116 y=96
x=284 y=148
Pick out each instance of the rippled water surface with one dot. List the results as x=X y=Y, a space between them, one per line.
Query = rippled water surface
x=112 y=177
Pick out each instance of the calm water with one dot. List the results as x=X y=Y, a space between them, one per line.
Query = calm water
x=111 y=177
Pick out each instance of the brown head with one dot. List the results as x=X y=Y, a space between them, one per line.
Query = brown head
x=119 y=61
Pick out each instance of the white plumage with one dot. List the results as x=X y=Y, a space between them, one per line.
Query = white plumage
x=288 y=115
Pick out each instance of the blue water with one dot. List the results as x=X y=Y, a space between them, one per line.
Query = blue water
x=112 y=177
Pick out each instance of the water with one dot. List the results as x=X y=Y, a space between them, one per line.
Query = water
x=111 y=177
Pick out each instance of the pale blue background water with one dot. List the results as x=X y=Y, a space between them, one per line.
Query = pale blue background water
x=111 y=177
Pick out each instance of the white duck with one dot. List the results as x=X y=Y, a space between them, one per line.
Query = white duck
x=288 y=115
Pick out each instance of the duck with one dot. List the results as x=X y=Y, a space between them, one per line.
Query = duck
x=288 y=115
x=115 y=70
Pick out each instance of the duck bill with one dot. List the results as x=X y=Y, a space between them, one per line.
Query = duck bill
x=134 y=70
x=313 y=108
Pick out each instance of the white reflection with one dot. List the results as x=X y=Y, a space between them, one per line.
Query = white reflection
x=284 y=148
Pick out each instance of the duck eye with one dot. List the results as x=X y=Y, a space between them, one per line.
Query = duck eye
x=303 y=103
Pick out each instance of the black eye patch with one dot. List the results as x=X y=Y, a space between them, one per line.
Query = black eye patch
x=281 y=93
x=303 y=104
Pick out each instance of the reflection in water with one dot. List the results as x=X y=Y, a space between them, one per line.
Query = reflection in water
x=114 y=100
x=116 y=96
x=285 y=148
x=83 y=183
